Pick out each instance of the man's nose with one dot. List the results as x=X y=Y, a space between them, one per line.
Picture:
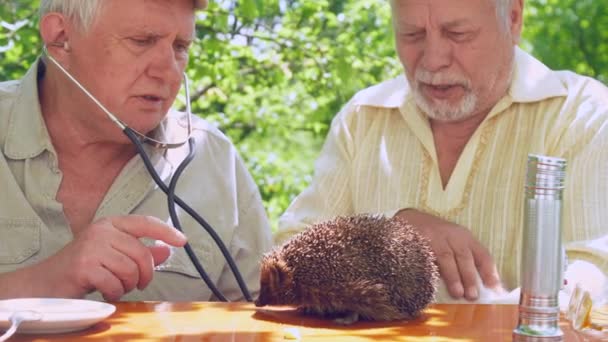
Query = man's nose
x=165 y=65
x=438 y=53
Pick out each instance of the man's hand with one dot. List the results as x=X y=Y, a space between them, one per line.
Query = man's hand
x=459 y=255
x=108 y=257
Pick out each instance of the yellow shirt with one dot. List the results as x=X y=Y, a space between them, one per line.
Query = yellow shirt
x=379 y=157
x=216 y=184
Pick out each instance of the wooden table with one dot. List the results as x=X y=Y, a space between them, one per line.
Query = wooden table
x=218 y=322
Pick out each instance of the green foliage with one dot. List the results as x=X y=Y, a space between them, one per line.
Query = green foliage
x=569 y=34
x=19 y=39
x=273 y=73
x=272 y=81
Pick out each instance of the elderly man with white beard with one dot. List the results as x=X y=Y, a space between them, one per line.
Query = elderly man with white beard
x=445 y=147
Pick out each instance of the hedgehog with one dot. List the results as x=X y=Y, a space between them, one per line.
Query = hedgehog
x=364 y=267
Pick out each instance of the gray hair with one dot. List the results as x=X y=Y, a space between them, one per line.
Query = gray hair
x=503 y=8
x=82 y=12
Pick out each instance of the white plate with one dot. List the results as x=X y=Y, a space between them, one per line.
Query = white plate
x=58 y=315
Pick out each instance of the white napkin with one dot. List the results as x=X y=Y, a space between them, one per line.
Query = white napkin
x=486 y=295
x=588 y=276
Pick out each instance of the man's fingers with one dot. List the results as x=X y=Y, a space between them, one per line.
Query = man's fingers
x=145 y=257
x=150 y=227
x=122 y=267
x=468 y=272
x=139 y=254
x=109 y=256
x=160 y=253
x=461 y=258
x=107 y=284
x=449 y=271
x=489 y=276
x=486 y=266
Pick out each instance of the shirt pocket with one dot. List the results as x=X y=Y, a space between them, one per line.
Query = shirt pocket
x=19 y=239
x=179 y=262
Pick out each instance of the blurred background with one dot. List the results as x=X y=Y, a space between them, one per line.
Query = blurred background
x=271 y=74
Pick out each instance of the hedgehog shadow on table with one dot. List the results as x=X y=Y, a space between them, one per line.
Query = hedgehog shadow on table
x=364 y=267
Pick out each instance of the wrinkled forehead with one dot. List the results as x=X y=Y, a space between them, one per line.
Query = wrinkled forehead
x=441 y=3
x=168 y=8
x=147 y=15
x=441 y=12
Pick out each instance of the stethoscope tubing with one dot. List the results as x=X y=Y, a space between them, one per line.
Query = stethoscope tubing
x=172 y=199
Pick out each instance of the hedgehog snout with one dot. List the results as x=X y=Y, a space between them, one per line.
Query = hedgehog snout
x=259 y=302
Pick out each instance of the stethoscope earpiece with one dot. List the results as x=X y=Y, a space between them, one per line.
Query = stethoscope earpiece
x=65 y=45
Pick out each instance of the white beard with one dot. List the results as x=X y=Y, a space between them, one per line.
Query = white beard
x=442 y=110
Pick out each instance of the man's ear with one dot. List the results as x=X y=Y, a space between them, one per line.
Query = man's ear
x=54 y=30
x=516 y=19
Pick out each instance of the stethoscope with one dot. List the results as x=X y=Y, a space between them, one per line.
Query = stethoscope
x=138 y=139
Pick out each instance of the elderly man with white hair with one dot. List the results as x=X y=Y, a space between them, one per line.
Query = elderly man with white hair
x=446 y=146
x=79 y=215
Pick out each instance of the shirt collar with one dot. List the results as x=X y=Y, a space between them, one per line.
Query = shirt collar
x=532 y=81
x=27 y=135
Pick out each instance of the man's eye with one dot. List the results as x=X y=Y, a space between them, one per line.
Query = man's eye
x=459 y=36
x=142 y=41
x=182 y=47
x=412 y=36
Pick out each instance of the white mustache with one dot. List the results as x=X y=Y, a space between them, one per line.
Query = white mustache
x=442 y=79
